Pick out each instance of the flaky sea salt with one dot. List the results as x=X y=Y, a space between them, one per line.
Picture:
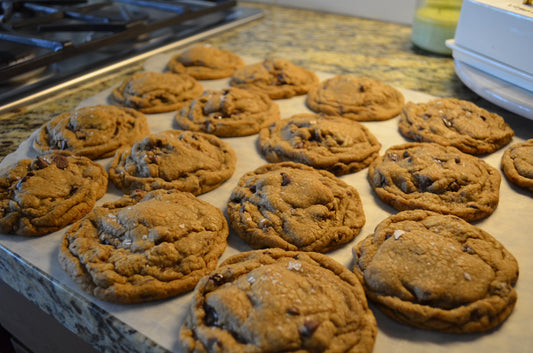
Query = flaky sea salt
x=398 y=233
x=293 y=265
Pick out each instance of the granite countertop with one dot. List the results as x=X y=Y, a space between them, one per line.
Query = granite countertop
x=327 y=43
x=318 y=41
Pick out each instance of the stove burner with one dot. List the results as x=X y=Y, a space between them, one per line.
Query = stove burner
x=49 y=45
x=84 y=26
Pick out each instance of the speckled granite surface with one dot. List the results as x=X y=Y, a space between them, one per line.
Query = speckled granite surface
x=327 y=43
x=318 y=41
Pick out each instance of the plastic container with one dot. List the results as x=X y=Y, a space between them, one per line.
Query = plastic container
x=434 y=22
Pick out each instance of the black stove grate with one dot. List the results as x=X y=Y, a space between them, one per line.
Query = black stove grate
x=45 y=32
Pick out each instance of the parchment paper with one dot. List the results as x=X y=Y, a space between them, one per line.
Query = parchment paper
x=511 y=224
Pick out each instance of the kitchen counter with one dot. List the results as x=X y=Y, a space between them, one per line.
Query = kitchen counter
x=323 y=42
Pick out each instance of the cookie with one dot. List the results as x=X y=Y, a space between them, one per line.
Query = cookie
x=229 y=112
x=457 y=123
x=278 y=78
x=42 y=195
x=436 y=178
x=279 y=301
x=156 y=92
x=437 y=272
x=295 y=207
x=338 y=145
x=205 y=62
x=146 y=246
x=355 y=98
x=94 y=132
x=173 y=159
x=517 y=164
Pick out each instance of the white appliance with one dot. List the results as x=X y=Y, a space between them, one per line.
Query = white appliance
x=493 y=52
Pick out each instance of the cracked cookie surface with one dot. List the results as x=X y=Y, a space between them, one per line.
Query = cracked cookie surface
x=454 y=122
x=437 y=272
x=436 y=178
x=338 y=145
x=188 y=161
x=295 y=207
x=94 y=132
x=278 y=78
x=277 y=301
x=355 y=98
x=143 y=247
x=229 y=112
x=42 y=195
x=156 y=92
x=205 y=62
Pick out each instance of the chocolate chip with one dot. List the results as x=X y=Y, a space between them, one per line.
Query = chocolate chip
x=293 y=311
x=308 y=328
x=286 y=179
x=60 y=161
x=454 y=186
x=153 y=158
x=218 y=278
x=467 y=249
x=211 y=316
x=41 y=163
x=361 y=88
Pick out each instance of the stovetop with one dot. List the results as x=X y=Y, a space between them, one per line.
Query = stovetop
x=48 y=45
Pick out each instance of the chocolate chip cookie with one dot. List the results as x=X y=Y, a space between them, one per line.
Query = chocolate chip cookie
x=355 y=98
x=94 y=132
x=145 y=246
x=229 y=112
x=278 y=301
x=188 y=161
x=338 y=145
x=437 y=272
x=157 y=92
x=205 y=62
x=295 y=207
x=455 y=122
x=278 y=78
x=42 y=195
x=437 y=178
x=517 y=164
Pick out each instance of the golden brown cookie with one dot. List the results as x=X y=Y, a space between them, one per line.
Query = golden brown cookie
x=278 y=78
x=42 y=195
x=295 y=207
x=94 y=132
x=437 y=272
x=455 y=122
x=156 y=92
x=355 y=98
x=277 y=301
x=188 y=161
x=229 y=112
x=517 y=164
x=145 y=246
x=338 y=145
x=437 y=178
x=205 y=63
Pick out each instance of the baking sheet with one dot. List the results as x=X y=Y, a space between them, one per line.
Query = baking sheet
x=511 y=224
